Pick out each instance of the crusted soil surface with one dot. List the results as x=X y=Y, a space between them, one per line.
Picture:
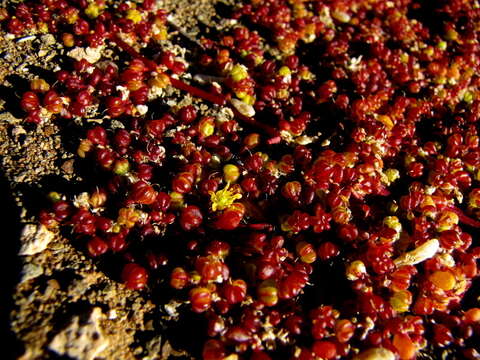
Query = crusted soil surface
x=60 y=304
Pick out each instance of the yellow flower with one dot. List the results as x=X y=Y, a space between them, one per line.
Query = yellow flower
x=93 y=10
x=222 y=199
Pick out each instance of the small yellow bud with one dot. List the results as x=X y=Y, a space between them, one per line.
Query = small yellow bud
x=231 y=173
x=116 y=228
x=386 y=120
x=451 y=34
x=284 y=71
x=160 y=32
x=97 y=198
x=392 y=175
x=177 y=200
x=443 y=280
x=42 y=27
x=121 y=167
x=206 y=126
x=447 y=221
x=393 y=223
x=39 y=85
x=282 y=94
x=128 y=217
x=241 y=94
x=238 y=73
x=442 y=45
x=392 y=207
x=305 y=74
x=401 y=301
x=468 y=97
x=404 y=58
x=160 y=81
x=356 y=270
x=54 y=196
x=195 y=277
x=249 y=99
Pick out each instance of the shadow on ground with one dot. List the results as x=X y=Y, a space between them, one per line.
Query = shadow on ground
x=10 y=267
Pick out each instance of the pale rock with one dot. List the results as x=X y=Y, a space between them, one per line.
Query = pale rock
x=31 y=271
x=18 y=130
x=82 y=341
x=34 y=239
x=48 y=39
x=92 y=55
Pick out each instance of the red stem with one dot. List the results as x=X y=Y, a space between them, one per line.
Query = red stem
x=194 y=91
x=251 y=121
x=133 y=53
x=274 y=140
x=464 y=218
x=261 y=226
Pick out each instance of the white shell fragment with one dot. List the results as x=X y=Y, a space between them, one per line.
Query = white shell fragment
x=35 y=239
x=421 y=253
x=243 y=108
x=375 y=354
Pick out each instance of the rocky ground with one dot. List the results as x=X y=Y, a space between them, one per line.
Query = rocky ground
x=59 y=303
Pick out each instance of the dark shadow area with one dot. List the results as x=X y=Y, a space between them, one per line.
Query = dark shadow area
x=429 y=15
x=12 y=95
x=157 y=108
x=160 y=329
x=470 y=298
x=330 y=275
x=34 y=197
x=66 y=277
x=65 y=313
x=10 y=267
x=223 y=11
x=47 y=75
x=186 y=334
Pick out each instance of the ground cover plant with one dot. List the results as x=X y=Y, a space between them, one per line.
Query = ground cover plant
x=300 y=183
